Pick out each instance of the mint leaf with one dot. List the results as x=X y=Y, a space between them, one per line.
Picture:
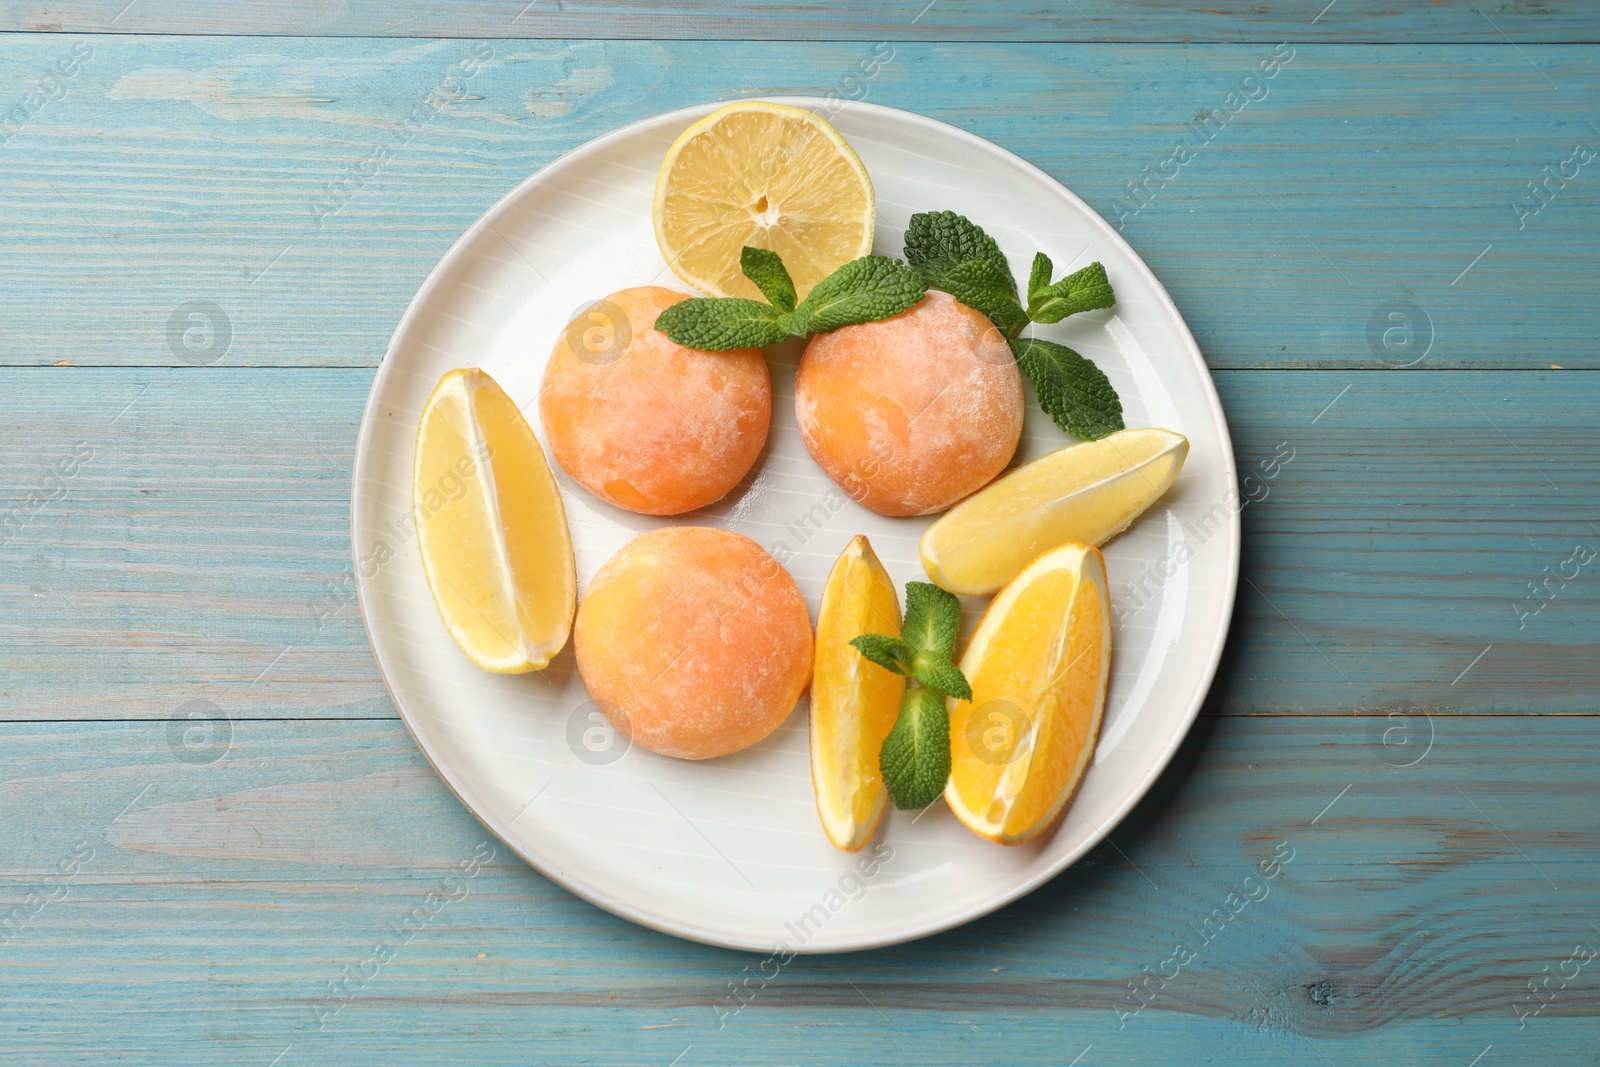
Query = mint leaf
x=1086 y=290
x=1076 y=393
x=933 y=619
x=978 y=283
x=934 y=670
x=954 y=254
x=794 y=322
x=939 y=241
x=863 y=290
x=890 y=653
x=719 y=324
x=915 y=757
x=763 y=267
x=1039 y=277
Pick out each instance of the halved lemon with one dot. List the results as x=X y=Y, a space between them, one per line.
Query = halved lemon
x=491 y=527
x=1038 y=664
x=1087 y=493
x=854 y=702
x=766 y=175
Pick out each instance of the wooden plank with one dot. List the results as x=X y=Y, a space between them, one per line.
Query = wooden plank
x=1492 y=21
x=1415 y=906
x=200 y=548
x=177 y=171
x=182 y=530
x=1425 y=519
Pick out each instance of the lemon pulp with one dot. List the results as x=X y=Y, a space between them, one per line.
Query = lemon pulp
x=1086 y=492
x=765 y=175
x=491 y=527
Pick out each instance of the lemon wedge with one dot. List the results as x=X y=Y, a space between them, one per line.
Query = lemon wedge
x=1038 y=664
x=491 y=527
x=1087 y=493
x=854 y=702
x=766 y=175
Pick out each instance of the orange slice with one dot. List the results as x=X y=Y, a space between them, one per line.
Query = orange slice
x=854 y=702
x=1038 y=664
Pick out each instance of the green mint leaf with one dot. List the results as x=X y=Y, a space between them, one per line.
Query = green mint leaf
x=933 y=670
x=763 y=267
x=978 y=283
x=863 y=290
x=718 y=324
x=937 y=241
x=915 y=757
x=890 y=653
x=933 y=619
x=1039 y=277
x=1086 y=290
x=794 y=323
x=1076 y=393
x=1048 y=309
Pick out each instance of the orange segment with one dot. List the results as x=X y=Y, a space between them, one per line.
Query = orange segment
x=1038 y=665
x=854 y=702
x=491 y=527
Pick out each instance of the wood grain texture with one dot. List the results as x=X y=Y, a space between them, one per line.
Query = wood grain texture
x=175 y=170
x=201 y=548
x=219 y=901
x=1491 y=21
x=1389 y=707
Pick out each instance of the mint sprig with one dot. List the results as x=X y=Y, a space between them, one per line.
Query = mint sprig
x=952 y=253
x=915 y=757
x=863 y=290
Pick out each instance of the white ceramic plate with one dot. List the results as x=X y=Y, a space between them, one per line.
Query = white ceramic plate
x=730 y=851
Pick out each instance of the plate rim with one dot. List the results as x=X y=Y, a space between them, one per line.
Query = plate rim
x=574 y=882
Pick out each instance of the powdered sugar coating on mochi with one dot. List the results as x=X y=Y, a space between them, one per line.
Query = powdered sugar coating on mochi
x=910 y=414
x=694 y=641
x=660 y=428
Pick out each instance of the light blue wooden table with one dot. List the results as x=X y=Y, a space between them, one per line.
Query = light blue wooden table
x=1389 y=257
